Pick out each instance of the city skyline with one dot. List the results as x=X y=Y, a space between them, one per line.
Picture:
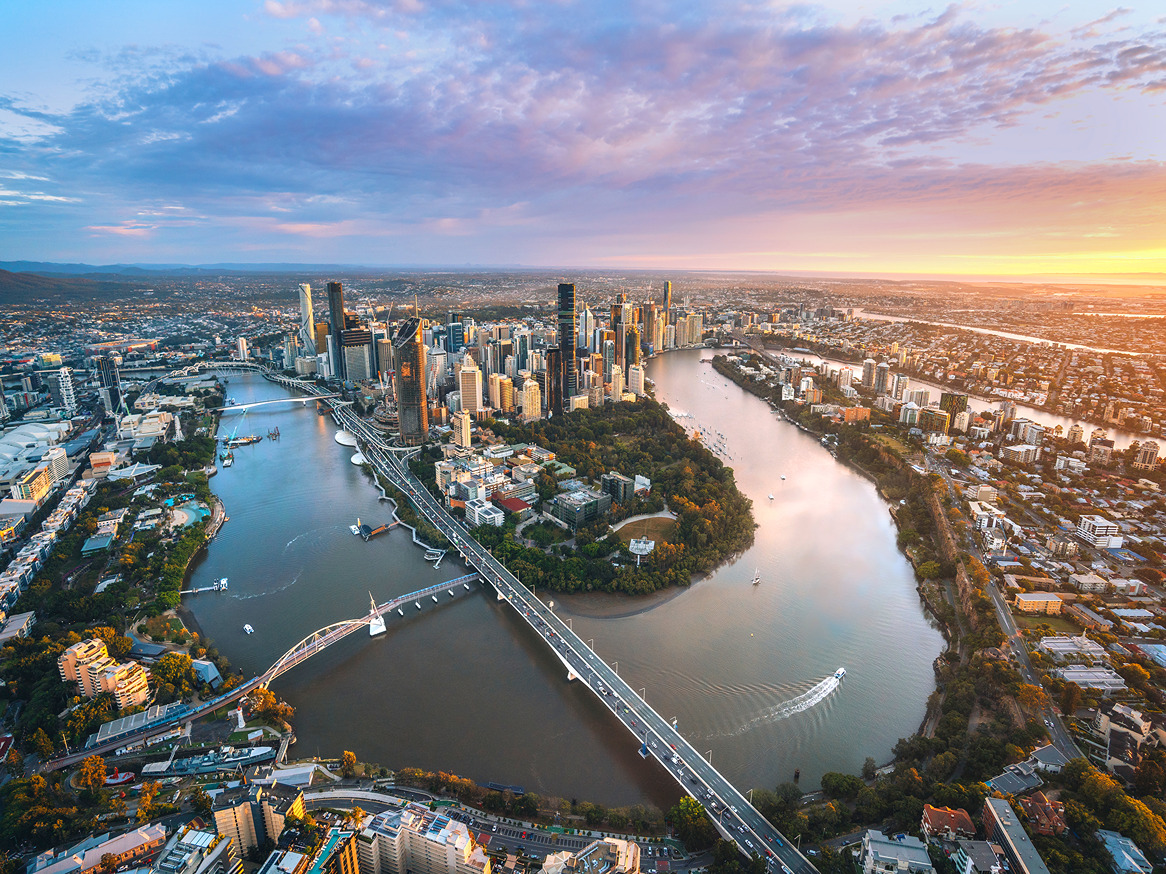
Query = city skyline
x=876 y=139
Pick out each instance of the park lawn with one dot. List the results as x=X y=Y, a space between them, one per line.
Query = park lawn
x=892 y=443
x=660 y=529
x=1058 y=624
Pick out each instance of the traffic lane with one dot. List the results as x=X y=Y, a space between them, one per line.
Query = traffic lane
x=756 y=827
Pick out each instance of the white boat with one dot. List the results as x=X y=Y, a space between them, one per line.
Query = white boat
x=221 y=585
x=771 y=497
x=355 y=529
x=757 y=577
x=840 y=673
x=783 y=476
x=248 y=629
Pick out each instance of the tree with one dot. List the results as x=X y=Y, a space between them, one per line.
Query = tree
x=41 y=743
x=1032 y=698
x=870 y=769
x=14 y=763
x=265 y=705
x=691 y=825
x=91 y=773
x=348 y=764
x=1070 y=698
x=837 y=785
x=929 y=570
x=200 y=801
x=146 y=804
x=355 y=816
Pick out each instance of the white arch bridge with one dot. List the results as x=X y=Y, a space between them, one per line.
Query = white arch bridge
x=330 y=634
x=300 y=400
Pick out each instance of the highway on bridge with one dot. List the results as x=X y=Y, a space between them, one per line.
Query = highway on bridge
x=734 y=814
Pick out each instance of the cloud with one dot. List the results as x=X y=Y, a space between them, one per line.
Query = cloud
x=594 y=118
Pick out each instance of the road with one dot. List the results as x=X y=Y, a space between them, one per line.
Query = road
x=736 y=817
x=1059 y=735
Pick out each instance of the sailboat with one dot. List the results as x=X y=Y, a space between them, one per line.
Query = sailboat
x=757 y=577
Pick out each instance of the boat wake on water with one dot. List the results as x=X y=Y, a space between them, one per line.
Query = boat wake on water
x=816 y=694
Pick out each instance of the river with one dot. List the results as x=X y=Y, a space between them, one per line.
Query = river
x=467 y=688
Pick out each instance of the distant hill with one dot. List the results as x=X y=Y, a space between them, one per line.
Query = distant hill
x=28 y=287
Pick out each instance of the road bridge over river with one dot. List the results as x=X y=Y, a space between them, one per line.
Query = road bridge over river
x=734 y=816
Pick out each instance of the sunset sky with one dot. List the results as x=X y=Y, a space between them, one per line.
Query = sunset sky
x=893 y=138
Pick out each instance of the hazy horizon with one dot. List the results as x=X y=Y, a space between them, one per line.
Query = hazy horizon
x=848 y=139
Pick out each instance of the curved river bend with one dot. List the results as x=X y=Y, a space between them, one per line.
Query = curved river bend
x=467 y=689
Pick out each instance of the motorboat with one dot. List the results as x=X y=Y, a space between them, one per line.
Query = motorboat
x=248 y=629
x=783 y=476
x=771 y=497
x=840 y=673
x=221 y=585
x=757 y=577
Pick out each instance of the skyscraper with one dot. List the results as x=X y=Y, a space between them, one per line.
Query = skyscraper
x=336 y=325
x=632 y=347
x=357 y=354
x=953 y=402
x=554 y=381
x=412 y=406
x=62 y=389
x=461 y=429
x=868 y=373
x=567 y=335
x=667 y=301
x=531 y=401
x=882 y=378
x=470 y=385
x=110 y=381
x=307 y=321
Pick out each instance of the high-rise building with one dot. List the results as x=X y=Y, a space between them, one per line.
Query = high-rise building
x=554 y=382
x=470 y=385
x=336 y=325
x=307 y=320
x=586 y=328
x=1076 y=434
x=241 y=348
x=412 y=405
x=667 y=302
x=882 y=378
x=868 y=374
x=461 y=428
x=899 y=386
x=357 y=353
x=636 y=380
x=616 y=383
x=532 y=402
x=110 y=381
x=1147 y=456
x=632 y=347
x=953 y=403
x=934 y=419
x=566 y=335
x=63 y=391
